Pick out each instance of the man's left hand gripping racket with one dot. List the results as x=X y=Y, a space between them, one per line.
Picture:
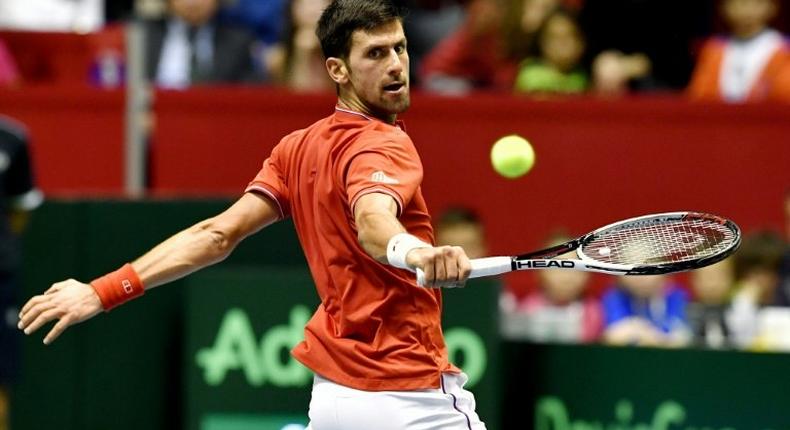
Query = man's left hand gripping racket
x=647 y=245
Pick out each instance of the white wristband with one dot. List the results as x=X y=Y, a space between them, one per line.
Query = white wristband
x=400 y=245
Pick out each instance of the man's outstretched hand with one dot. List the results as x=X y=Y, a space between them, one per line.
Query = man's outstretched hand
x=70 y=302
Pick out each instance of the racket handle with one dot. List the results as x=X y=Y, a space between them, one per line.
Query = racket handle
x=481 y=267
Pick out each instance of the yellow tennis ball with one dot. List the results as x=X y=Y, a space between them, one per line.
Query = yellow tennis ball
x=512 y=156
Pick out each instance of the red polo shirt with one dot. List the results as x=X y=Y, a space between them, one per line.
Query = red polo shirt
x=375 y=329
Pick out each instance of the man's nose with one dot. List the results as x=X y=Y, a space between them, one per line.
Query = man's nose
x=395 y=65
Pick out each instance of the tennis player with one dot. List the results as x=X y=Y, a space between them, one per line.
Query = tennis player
x=351 y=184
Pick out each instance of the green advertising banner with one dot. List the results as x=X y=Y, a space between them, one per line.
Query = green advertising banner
x=240 y=324
x=576 y=387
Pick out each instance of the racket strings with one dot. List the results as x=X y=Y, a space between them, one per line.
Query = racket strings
x=660 y=243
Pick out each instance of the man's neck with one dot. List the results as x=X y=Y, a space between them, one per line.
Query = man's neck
x=357 y=106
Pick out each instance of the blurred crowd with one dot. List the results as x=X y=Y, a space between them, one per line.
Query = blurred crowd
x=741 y=303
x=731 y=50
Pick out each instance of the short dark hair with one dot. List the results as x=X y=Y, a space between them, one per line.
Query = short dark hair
x=342 y=17
x=458 y=215
x=761 y=250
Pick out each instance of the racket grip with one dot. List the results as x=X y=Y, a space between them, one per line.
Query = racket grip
x=481 y=267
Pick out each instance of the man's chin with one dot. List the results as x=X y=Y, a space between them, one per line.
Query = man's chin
x=400 y=106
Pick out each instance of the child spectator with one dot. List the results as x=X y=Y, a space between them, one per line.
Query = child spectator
x=752 y=63
x=646 y=310
x=484 y=52
x=757 y=274
x=556 y=68
x=559 y=310
x=462 y=227
x=709 y=313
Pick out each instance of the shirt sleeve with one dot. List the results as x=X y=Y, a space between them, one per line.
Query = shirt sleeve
x=390 y=166
x=271 y=182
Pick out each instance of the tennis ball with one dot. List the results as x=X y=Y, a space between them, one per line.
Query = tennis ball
x=512 y=156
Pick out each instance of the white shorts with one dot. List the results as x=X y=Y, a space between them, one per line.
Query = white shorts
x=449 y=407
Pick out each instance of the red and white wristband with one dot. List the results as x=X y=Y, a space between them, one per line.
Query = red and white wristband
x=400 y=245
x=118 y=287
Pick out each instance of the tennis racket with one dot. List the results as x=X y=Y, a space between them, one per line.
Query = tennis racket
x=647 y=245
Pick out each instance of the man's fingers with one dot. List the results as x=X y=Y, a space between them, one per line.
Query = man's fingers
x=30 y=303
x=439 y=263
x=42 y=319
x=33 y=313
x=464 y=267
x=430 y=273
x=56 y=331
x=451 y=264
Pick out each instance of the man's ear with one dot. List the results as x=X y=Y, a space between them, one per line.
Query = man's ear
x=337 y=70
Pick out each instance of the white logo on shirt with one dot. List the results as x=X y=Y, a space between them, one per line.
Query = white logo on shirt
x=381 y=177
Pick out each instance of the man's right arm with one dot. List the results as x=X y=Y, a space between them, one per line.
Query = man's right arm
x=377 y=223
x=199 y=246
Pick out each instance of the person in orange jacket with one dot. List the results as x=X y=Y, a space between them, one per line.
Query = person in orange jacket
x=750 y=64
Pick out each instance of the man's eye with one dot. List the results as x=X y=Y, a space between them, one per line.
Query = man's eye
x=376 y=53
x=400 y=49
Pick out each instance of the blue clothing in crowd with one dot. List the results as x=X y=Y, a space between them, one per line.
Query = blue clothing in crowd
x=665 y=313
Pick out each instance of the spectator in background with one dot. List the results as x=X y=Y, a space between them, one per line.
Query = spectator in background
x=757 y=275
x=267 y=21
x=462 y=227
x=645 y=310
x=9 y=74
x=298 y=63
x=557 y=66
x=709 y=313
x=642 y=45
x=559 y=310
x=485 y=51
x=752 y=63
x=427 y=24
x=18 y=196
x=263 y=18
x=190 y=47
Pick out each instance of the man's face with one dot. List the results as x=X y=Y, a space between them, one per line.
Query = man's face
x=194 y=12
x=468 y=236
x=378 y=70
x=748 y=17
x=562 y=44
x=646 y=286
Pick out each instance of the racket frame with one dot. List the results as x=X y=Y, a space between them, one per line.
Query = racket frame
x=542 y=259
x=546 y=258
